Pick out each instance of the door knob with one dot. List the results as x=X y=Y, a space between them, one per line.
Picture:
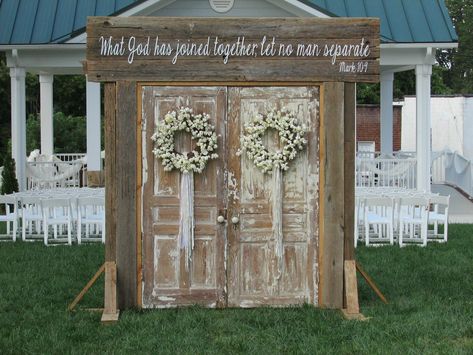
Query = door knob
x=221 y=219
x=235 y=220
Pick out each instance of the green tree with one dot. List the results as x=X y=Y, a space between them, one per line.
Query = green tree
x=9 y=181
x=458 y=62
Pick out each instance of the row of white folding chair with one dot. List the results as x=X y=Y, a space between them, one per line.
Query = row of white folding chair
x=9 y=215
x=438 y=214
x=62 y=211
x=91 y=213
x=408 y=215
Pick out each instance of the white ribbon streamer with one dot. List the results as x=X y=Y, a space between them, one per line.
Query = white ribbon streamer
x=277 y=216
x=186 y=223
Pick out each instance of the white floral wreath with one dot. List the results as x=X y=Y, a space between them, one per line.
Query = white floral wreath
x=201 y=131
x=291 y=135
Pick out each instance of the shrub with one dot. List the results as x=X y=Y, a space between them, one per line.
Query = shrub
x=9 y=181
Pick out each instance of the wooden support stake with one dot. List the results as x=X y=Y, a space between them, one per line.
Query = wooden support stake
x=351 y=288
x=110 y=313
x=371 y=283
x=86 y=288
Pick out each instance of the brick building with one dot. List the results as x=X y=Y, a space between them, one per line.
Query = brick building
x=368 y=126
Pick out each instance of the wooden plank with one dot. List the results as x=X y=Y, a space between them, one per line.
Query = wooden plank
x=240 y=70
x=110 y=171
x=201 y=27
x=86 y=288
x=332 y=241
x=322 y=153
x=371 y=283
x=95 y=179
x=110 y=312
x=351 y=288
x=139 y=186
x=125 y=203
x=229 y=49
x=354 y=316
x=349 y=168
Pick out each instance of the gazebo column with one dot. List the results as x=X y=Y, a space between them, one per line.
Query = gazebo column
x=18 y=123
x=423 y=126
x=386 y=104
x=94 y=161
x=46 y=112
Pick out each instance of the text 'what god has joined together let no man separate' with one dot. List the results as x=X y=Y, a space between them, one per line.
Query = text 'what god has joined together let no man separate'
x=132 y=47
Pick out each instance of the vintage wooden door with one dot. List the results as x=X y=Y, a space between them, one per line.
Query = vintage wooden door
x=166 y=281
x=254 y=277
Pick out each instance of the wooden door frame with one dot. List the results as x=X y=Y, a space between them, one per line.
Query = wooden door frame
x=123 y=176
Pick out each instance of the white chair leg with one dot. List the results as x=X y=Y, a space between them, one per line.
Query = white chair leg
x=79 y=231
x=45 y=233
x=367 y=234
x=23 y=230
x=103 y=232
x=401 y=233
x=69 y=235
x=424 y=233
x=445 y=231
x=15 y=227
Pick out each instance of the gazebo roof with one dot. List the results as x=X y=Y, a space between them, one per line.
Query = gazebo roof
x=402 y=21
x=51 y=21
x=56 y=21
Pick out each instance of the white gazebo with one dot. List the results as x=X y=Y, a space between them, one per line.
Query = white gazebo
x=49 y=39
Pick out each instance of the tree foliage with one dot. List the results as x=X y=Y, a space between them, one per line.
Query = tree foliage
x=454 y=72
x=458 y=62
x=9 y=181
x=69 y=133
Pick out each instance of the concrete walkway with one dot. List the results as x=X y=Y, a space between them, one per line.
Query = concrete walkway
x=461 y=209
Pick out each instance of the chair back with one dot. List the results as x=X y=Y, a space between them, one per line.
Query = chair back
x=90 y=201
x=8 y=199
x=440 y=200
x=55 y=202
x=415 y=206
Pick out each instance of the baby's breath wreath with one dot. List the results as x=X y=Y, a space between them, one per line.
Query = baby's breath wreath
x=291 y=135
x=203 y=133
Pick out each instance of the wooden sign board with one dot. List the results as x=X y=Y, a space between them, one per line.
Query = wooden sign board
x=233 y=50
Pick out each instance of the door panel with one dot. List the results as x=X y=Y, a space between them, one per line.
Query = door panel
x=166 y=282
x=253 y=275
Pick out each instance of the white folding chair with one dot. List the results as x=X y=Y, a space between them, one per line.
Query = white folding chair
x=438 y=215
x=91 y=213
x=9 y=215
x=379 y=213
x=413 y=215
x=57 y=213
x=31 y=217
x=359 y=219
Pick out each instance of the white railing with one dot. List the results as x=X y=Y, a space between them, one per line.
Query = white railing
x=374 y=169
x=70 y=156
x=60 y=170
x=454 y=169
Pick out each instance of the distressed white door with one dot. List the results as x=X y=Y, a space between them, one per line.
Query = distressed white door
x=166 y=280
x=254 y=277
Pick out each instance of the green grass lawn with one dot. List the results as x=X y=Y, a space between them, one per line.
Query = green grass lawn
x=430 y=311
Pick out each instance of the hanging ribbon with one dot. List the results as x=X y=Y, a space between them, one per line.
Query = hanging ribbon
x=277 y=216
x=186 y=223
